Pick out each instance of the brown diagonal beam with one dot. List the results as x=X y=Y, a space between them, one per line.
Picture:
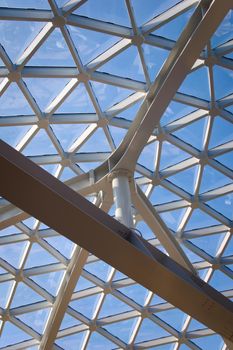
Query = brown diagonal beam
x=40 y=194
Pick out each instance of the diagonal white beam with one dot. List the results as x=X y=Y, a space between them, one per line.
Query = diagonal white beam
x=64 y=210
x=190 y=44
x=157 y=225
x=177 y=66
x=99 y=26
x=168 y=15
x=72 y=5
x=62 y=300
x=10 y=215
x=17 y=14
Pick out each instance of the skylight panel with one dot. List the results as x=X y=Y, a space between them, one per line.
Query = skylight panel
x=79 y=84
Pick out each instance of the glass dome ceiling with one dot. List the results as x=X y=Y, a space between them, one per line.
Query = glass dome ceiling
x=75 y=79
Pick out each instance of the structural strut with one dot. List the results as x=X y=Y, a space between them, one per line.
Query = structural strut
x=73 y=216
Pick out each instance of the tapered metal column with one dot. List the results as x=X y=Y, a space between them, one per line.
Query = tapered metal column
x=122 y=197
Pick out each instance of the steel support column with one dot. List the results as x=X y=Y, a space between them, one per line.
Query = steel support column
x=122 y=197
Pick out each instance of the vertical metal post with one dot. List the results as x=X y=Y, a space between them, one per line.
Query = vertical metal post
x=121 y=196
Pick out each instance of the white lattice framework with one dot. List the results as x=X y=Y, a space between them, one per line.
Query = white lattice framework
x=95 y=184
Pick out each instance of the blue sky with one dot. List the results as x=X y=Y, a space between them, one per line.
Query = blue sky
x=15 y=38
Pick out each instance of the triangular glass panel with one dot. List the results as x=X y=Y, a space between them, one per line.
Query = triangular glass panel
x=193 y=258
x=49 y=281
x=175 y=111
x=230 y=108
x=193 y=134
x=173 y=218
x=169 y=346
x=226 y=159
x=45 y=90
x=222 y=82
x=99 y=269
x=13 y=134
x=210 y=342
x=135 y=292
x=221 y=281
x=229 y=248
x=96 y=143
x=89 y=165
x=222 y=132
x=194 y=325
x=182 y=347
x=17 y=35
x=40 y=145
x=67 y=174
x=230 y=55
x=212 y=178
x=36 y=320
x=123 y=329
x=191 y=85
x=173 y=28
x=161 y=195
x=62 y=244
x=223 y=205
x=85 y=306
x=2 y=271
x=119 y=276
x=174 y=318
x=60 y=3
x=171 y=155
x=148 y=156
x=53 y=52
x=31 y=4
x=77 y=102
x=150 y=330
x=12 y=335
x=225 y=30
x=145 y=231
x=10 y=230
x=68 y=133
x=83 y=283
x=185 y=179
x=151 y=9
x=50 y=168
x=97 y=341
x=13 y=253
x=154 y=58
x=112 y=306
x=13 y=102
x=114 y=11
x=109 y=95
x=5 y=290
x=91 y=44
x=24 y=296
x=162 y=249
x=73 y=341
x=30 y=222
x=126 y=64
x=38 y=256
x=209 y=244
x=199 y=219
x=157 y=300
x=69 y=321
x=131 y=112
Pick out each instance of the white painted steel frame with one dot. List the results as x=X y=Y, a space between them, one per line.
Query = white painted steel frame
x=98 y=231
x=41 y=120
